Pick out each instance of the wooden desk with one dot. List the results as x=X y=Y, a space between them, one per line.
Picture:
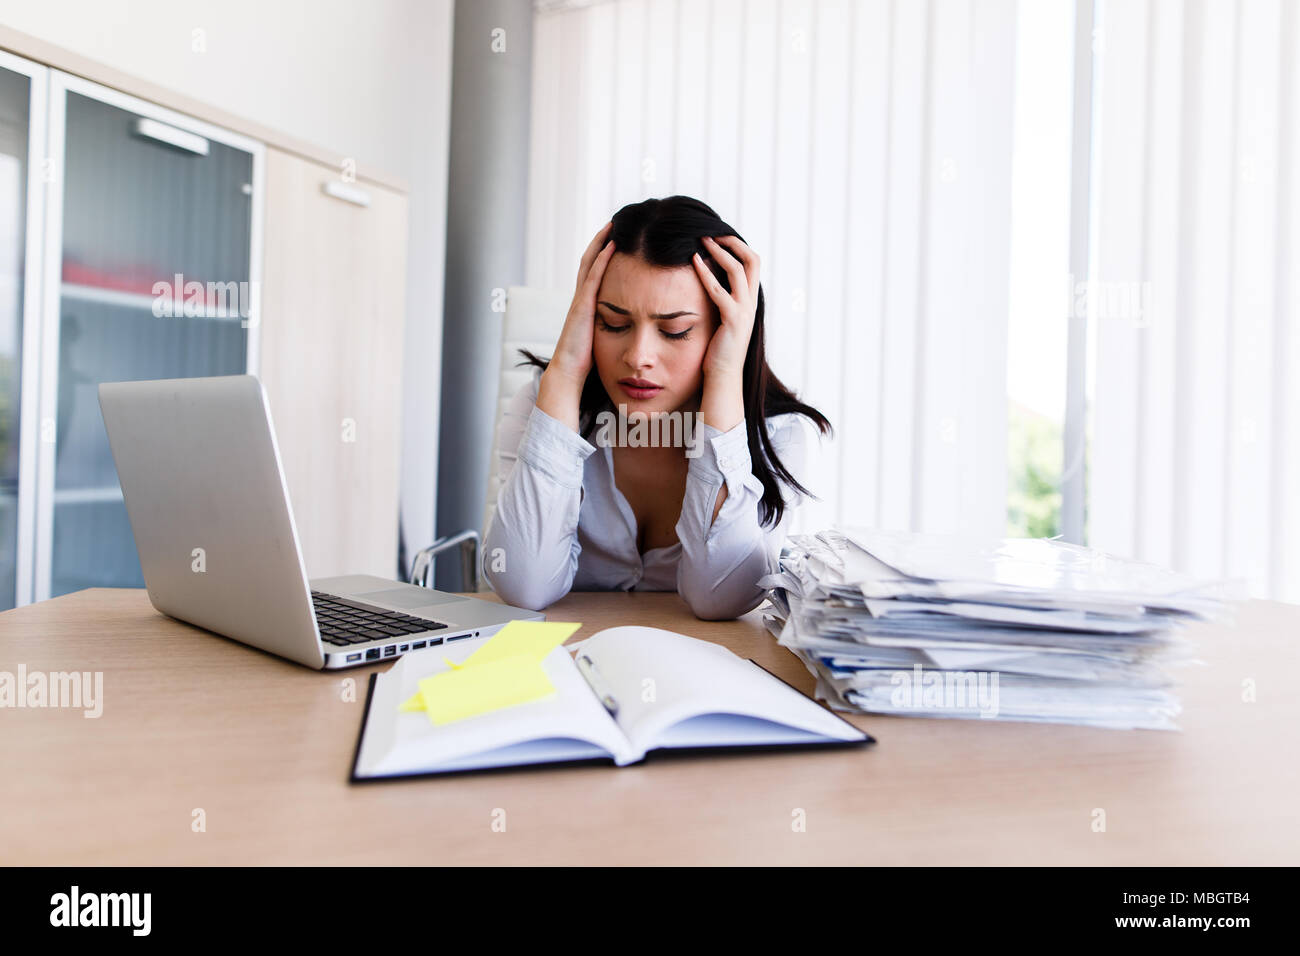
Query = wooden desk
x=191 y=720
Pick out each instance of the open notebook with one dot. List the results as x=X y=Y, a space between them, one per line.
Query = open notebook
x=627 y=691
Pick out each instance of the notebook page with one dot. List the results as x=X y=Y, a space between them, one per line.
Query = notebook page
x=570 y=725
x=661 y=678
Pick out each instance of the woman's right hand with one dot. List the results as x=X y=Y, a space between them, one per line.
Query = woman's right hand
x=573 y=352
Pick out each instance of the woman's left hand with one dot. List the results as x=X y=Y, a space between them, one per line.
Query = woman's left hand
x=725 y=357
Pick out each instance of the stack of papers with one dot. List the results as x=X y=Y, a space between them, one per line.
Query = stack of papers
x=1008 y=629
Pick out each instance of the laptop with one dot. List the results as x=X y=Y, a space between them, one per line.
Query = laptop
x=206 y=496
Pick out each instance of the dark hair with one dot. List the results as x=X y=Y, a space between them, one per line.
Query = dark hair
x=666 y=232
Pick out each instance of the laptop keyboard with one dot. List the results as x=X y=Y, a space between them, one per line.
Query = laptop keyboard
x=342 y=621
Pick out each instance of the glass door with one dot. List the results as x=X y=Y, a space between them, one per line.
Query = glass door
x=152 y=272
x=22 y=138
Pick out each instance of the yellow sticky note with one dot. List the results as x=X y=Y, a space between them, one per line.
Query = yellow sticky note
x=506 y=670
x=467 y=691
x=532 y=639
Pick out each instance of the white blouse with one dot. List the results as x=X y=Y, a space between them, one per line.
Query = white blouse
x=561 y=523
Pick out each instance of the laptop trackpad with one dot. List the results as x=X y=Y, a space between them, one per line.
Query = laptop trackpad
x=413 y=596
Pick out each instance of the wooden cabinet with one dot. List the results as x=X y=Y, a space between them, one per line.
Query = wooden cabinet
x=332 y=316
x=118 y=196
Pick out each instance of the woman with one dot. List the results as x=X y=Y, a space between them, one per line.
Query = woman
x=665 y=329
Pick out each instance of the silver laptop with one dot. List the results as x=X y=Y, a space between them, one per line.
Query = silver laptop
x=204 y=489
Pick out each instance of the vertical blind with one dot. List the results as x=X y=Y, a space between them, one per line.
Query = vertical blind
x=863 y=149
x=1195 y=459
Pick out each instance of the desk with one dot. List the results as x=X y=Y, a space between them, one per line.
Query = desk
x=263 y=747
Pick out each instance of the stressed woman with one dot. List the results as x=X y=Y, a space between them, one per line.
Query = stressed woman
x=661 y=364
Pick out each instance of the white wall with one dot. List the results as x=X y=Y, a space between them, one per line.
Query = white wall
x=371 y=81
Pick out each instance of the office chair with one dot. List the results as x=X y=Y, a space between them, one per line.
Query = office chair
x=533 y=320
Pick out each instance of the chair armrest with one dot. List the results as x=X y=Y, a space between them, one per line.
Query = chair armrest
x=468 y=542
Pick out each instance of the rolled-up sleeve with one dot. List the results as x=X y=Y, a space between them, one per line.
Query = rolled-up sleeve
x=530 y=551
x=723 y=558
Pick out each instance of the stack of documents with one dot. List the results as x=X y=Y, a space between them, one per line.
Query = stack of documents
x=1015 y=629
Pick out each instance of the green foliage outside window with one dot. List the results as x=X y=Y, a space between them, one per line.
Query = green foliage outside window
x=1034 y=451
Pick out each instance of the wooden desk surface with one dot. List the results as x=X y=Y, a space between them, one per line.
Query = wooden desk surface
x=264 y=747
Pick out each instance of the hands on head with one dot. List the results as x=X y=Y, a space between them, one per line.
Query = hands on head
x=727 y=343
x=736 y=309
x=572 y=358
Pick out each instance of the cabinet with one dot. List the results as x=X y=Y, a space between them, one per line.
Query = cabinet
x=134 y=240
x=331 y=359
x=22 y=143
x=151 y=267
